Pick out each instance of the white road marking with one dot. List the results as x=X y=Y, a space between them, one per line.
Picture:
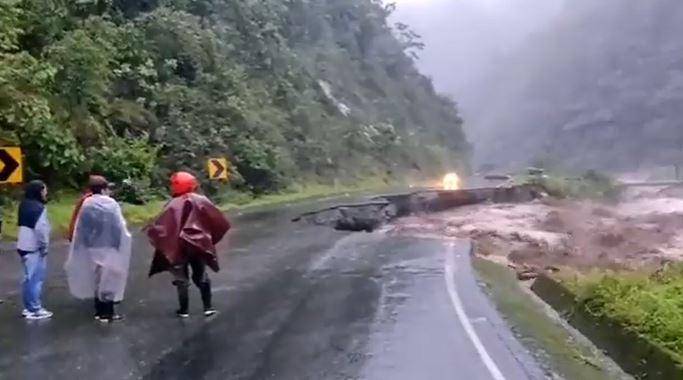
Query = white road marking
x=449 y=273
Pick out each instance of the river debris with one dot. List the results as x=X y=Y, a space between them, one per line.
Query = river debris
x=548 y=234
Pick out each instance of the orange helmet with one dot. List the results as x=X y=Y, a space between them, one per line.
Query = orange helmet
x=183 y=183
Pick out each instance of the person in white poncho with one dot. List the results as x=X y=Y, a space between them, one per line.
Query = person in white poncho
x=100 y=252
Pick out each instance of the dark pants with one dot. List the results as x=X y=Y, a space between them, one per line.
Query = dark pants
x=104 y=301
x=104 y=309
x=181 y=279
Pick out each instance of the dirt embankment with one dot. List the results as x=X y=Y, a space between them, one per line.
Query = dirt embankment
x=645 y=229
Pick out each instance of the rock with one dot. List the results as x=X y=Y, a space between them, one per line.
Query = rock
x=526 y=275
x=602 y=212
x=361 y=217
x=357 y=224
x=610 y=239
x=552 y=269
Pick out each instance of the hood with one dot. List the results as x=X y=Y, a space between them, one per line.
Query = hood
x=34 y=190
x=33 y=205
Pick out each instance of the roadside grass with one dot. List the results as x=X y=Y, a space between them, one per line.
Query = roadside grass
x=556 y=349
x=60 y=209
x=61 y=206
x=649 y=303
x=591 y=184
x=298 y=193
x=137 y=215
x=59 y=213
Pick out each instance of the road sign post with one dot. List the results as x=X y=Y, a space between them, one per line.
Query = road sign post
x=11 y=165
x=218 y=168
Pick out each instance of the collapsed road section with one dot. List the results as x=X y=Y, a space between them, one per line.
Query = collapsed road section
x=483 y=215
x=368 y=216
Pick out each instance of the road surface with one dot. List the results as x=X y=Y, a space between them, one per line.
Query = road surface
x=296 y=302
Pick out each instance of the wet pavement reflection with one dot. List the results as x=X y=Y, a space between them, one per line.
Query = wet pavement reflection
x=295 y=301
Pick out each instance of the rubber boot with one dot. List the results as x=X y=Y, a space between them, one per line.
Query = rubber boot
x=205 y=290
x=114 y=316
x=183 y=299
x=98 y=308
x=107 y=310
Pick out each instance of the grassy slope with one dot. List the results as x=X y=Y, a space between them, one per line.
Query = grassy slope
x=61 y=208
x=554 y=346
x=648 y=304
x=560 y=184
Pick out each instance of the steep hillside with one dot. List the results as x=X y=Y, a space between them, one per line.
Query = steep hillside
x=289 y=90
x=601 y=87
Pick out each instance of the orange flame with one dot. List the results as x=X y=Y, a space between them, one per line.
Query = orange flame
x=451 y=181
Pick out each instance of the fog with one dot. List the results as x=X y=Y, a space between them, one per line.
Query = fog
x=585 y=84
x=466 y=39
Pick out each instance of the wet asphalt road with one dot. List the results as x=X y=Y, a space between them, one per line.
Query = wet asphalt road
x=296 y=302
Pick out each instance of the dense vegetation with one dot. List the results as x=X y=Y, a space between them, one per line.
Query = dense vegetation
x=599 y=87
x=648 y=305
x=289 y=90
x=589 y=185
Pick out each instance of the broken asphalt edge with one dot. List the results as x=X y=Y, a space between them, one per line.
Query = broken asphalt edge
x=382 y=209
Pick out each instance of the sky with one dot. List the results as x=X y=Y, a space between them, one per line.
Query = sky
x=466 y=39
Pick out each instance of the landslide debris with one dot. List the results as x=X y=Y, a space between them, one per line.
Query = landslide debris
x=544 y=235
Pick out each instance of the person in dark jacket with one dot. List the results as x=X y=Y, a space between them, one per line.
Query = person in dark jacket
x=185 y=236
x=32 y=245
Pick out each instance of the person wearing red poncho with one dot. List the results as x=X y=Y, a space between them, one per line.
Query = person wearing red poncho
x=184 y=236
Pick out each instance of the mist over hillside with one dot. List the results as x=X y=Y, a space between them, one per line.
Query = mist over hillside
x=595 y=85
x=467 y=40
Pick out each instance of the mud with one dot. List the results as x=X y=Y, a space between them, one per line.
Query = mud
x=644 y=230
x=527 y=230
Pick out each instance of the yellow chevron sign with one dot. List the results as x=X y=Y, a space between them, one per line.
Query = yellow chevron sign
x=218 y=168
x=11 y=165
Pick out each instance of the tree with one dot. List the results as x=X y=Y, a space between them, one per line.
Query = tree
x=143 y=88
